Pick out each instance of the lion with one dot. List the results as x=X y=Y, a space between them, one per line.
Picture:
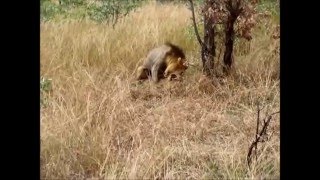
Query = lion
x=167 y=61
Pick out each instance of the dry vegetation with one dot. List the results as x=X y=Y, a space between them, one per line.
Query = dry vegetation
x=98 y=123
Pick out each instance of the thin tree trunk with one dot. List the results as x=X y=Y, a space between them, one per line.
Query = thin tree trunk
x=234 y=11
x=208 y=44
x=208 y=50
x=227 y=58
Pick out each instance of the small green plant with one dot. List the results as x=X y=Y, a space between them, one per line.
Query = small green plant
x=45 y=87
x=45 y=84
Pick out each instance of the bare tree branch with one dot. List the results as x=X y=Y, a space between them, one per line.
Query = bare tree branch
x=259 y=134
x=257 y=128
x=195 y=24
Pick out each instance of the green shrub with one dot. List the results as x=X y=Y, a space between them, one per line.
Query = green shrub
x=45 y=87
x=49 y=9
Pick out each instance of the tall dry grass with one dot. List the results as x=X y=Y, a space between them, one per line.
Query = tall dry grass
x=98 y=124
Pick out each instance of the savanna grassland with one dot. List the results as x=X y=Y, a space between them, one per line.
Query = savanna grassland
x=96 y=122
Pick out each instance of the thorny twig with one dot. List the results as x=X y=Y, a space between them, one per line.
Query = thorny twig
x=259 y=134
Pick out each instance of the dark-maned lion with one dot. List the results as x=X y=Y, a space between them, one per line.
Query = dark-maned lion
x=166 y=61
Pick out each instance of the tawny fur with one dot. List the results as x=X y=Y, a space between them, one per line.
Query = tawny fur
x=165 y=61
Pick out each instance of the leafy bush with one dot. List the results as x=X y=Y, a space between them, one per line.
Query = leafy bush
x=271 y=6
x=48 y=10
x=112 y=10
x=103 y=10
